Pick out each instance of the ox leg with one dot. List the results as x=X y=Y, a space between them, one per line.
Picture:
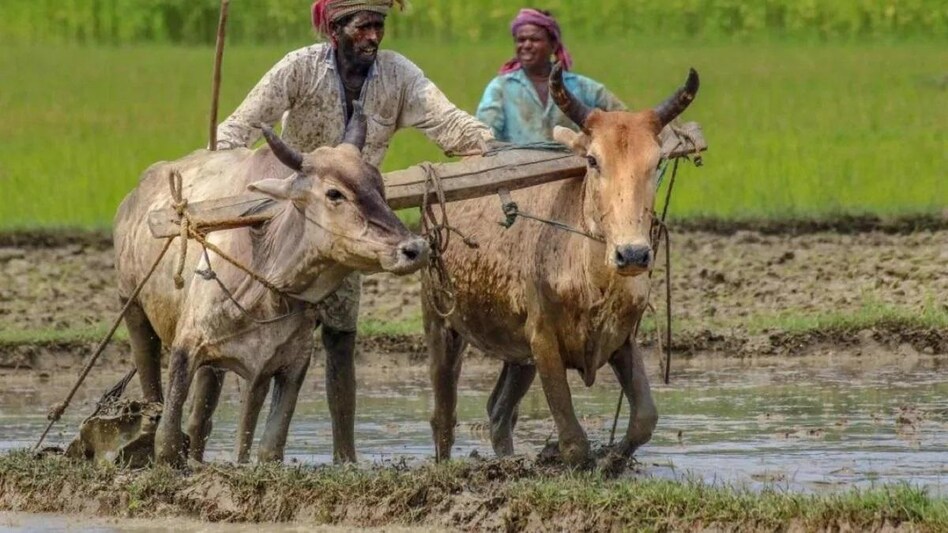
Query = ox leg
x=286 y=390
x=573 y=444
x=146 y=352
x=341 y=391
x=250 y=406
x=513 y=384
x=169 y=440
x=444 y=352
x=629 y=368
x=208 y=382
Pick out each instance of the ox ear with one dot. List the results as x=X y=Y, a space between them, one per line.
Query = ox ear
x=575 y=141
x=275 y=188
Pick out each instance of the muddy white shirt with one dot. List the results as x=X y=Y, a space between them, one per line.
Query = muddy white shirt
x=305 y=91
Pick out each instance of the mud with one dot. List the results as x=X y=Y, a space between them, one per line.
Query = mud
x=733 y=294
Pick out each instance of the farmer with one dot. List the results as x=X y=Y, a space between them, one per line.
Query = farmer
x=312 y=90
x=516 y=104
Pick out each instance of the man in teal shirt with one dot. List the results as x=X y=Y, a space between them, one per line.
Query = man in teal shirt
x=516 y=104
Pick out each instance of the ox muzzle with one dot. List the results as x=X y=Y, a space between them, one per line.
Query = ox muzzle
x=632 y=259
x=408 y=256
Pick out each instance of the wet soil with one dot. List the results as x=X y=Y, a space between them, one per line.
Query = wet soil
x=734 y=293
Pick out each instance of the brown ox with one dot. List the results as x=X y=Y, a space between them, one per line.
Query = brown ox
x=544 y=300
x=335 y=220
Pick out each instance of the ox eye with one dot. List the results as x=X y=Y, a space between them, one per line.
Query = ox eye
x=335 y=195
x=591 y=161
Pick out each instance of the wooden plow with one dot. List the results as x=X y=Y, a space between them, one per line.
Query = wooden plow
x=471 y=178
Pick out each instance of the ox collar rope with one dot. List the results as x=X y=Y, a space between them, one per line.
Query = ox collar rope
x=439 y=235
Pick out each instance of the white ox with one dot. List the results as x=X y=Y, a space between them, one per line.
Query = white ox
x=334 y=220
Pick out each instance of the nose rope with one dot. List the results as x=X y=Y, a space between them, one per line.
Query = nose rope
x=442 y=297
x=512 y=211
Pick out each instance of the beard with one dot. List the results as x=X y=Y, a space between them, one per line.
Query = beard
x=360 y=57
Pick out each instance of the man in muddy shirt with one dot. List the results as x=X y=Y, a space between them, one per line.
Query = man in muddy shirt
x=312 y=90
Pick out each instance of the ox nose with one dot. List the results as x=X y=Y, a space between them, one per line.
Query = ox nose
x=630 y=255
x=413 y=250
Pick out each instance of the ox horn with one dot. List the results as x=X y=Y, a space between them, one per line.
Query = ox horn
x=571 y=106
x=284 y=153
x=678 y=102
x=356 y=128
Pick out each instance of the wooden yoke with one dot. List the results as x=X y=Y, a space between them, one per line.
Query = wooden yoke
x=462 y=180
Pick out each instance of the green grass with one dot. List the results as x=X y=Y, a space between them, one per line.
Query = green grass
x=95 y=332
x=868 y=314
x=515 y=491
x=373 y=327
x=796 y=130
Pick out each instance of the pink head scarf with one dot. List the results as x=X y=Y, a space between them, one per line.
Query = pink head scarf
x=547 y=22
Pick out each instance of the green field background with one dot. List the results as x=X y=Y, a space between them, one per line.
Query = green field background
x=256 y=21
x=804 y=119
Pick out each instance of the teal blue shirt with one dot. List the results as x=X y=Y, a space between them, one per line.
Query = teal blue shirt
x=512 y=108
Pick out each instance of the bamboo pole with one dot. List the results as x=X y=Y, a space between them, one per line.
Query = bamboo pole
x=216 y=84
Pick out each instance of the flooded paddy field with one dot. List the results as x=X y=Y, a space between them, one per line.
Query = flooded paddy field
x=807 y=424
x=808 y=364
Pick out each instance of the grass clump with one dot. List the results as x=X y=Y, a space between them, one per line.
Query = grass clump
x=95 y=332
x=664 y=505
x=499 y=494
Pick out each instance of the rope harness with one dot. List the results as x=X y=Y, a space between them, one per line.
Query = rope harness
x=441 y=297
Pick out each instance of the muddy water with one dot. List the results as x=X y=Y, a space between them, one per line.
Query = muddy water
x=804 y=424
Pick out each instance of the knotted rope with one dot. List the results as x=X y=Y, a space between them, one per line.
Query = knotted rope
x=441 y=297
x=188 y=231
x=181 y=208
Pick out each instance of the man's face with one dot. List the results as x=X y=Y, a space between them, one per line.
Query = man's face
x=534 y=46
x=359 y=40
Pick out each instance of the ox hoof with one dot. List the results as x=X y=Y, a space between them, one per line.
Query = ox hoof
x=574 y=454
x=270 y=456
x=614 y=463
x=628 y=446
x=171 y=451
x=175 y=458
